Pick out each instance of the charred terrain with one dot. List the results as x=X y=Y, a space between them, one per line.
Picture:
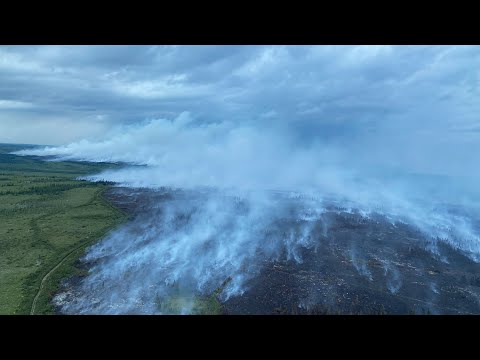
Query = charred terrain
x=349 y=264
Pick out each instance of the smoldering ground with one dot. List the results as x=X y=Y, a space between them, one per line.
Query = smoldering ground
x=287 y=254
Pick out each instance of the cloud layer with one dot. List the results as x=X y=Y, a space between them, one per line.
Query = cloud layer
x=413 y=102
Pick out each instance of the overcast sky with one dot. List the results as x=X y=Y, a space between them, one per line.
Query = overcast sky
x=420 y=99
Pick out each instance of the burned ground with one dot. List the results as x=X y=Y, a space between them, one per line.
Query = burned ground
x=355 y=265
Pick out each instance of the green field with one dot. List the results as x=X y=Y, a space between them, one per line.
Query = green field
x=47 y=218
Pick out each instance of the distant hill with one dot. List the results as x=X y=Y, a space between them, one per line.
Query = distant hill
x=7 y=148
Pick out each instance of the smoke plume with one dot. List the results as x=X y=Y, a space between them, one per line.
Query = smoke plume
x=246 y=195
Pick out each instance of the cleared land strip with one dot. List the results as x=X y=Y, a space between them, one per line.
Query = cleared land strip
x=34 y=303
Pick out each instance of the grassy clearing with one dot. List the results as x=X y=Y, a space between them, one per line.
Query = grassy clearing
x=190 y=305
x=186 y=303
x=45 y=215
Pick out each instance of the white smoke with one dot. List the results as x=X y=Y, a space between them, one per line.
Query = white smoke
x=394 y=281
x=240 y=223
x=192 y=244
x=183 y=154
x=360 y=263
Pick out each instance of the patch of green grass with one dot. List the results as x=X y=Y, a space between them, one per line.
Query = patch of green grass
x=45 y=216
x=186 y=303
x=191 y=305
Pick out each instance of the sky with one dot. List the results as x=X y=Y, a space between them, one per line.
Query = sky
x=415 y=105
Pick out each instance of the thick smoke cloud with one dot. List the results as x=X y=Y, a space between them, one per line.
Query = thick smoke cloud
x=179 y=153
x=182 y=154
